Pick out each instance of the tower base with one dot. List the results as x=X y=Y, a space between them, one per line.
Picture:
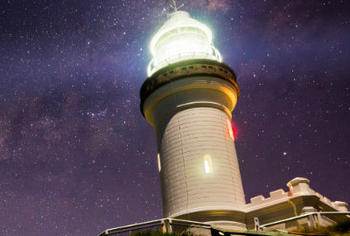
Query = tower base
x=299 y=209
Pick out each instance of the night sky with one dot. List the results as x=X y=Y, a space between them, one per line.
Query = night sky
x=76 y=155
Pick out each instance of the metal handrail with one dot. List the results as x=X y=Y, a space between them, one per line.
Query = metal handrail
x=131 y=226
x=158 y=222
x=214 y=55
x=205 y=225
x=303 y=216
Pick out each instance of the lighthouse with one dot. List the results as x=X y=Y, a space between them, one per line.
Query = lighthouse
x=188 y=98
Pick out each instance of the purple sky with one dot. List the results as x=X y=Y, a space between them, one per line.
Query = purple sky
x=76 y=155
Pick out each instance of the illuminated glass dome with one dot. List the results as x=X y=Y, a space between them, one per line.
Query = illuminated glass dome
x=181 y=38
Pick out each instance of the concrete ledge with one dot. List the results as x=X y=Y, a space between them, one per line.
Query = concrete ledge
x=341 y=206
x=298 y=180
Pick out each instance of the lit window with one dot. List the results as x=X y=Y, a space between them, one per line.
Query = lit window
x=229 y=128
x=208 y=164
x=159 y=165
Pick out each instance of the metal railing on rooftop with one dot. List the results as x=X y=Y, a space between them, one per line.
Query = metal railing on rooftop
x=318 y=214
x=164 y=225
x=168 y=225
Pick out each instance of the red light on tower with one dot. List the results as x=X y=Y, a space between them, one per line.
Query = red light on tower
x=231 y=130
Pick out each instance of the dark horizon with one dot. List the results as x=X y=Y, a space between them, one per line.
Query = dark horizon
x=76 y=155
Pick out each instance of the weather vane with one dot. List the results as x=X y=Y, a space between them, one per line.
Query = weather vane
x=173 y=5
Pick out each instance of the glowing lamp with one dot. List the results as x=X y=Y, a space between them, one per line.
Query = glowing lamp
x=181 y=38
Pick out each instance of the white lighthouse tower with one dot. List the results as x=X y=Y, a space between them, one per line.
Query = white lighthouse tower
x=188 y=98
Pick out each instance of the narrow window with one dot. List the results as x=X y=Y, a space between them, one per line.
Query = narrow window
x=208 y=168
x=159 y=164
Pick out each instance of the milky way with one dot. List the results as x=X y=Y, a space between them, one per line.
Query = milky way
x=76 y=155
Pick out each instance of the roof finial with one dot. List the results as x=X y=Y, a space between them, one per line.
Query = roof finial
x=173 y=5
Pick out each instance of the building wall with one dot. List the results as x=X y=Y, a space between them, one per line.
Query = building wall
x=199 y=166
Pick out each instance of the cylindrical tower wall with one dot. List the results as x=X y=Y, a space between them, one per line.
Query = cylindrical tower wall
x=199 y=166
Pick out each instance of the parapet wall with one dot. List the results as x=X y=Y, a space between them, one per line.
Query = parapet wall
x=297 y=187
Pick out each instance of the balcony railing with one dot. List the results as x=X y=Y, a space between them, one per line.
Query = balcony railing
x=165 y=225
